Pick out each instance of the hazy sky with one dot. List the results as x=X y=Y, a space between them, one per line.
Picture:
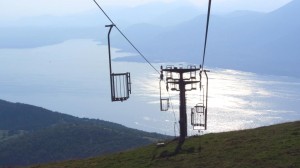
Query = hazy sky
x=23 y=8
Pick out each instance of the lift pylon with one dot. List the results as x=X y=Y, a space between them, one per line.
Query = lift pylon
x=120 y=83
x=179 y=78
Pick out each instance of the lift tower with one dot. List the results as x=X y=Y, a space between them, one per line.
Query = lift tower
x=178 y=79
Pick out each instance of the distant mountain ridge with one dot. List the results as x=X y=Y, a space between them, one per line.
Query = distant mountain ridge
x=256 y=42
x=47 y=29
x=265 y=43
x=32 y=135
x=18 y=116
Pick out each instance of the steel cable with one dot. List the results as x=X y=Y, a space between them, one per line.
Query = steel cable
x=142 y=55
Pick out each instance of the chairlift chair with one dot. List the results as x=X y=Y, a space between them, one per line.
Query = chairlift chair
x=169 y=74
x=200 y=108
x=174 y=87
x=199 y=112
x=198 y=120
x=120 y=86
x=164 y=102
x=192 y=73
x=120 y=83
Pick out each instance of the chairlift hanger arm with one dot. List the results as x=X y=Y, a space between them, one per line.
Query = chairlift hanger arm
x=110 y=66
x=109 y=51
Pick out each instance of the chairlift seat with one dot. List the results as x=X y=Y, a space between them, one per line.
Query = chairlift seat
x=120 y=86
x=198 y=119
x=200 y=108
x=164 y=104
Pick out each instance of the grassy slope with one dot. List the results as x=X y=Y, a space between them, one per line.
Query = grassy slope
x=273 y=146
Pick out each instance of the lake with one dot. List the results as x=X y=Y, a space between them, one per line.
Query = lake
x=73 y=78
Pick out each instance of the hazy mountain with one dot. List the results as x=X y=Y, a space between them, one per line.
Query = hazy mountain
x=256 y=42
x=267 y=44
x=46 y=29
x=243 y=40
x=158 y=13
x=31 y=135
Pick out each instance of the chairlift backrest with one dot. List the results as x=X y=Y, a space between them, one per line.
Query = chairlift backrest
x=200 y=108
x=174 y=87
x=198 y=120
x=169 y=74
x=120 y=86
x=164 y=104
x=120 y=83
x=192 y=73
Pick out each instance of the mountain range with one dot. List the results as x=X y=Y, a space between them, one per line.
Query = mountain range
x=266 y=43
x=33 y=135
x=250 y=41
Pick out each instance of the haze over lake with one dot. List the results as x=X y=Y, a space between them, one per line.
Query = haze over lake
x=72 y=77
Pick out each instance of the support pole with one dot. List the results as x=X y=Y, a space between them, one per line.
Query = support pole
x=183 y=115
x=110 y=68
x=205 y=71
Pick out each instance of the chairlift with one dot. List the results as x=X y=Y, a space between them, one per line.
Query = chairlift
x=164 y=102
x=174 y=87
x=120 y=86
x=180 y=66
x=120 y=83
x=192 y=73
x=198 y=120
x=171 y=78
x=169 y=74
x=200 y=108
x=193 y=86
x=192 y=116
x=199 y=112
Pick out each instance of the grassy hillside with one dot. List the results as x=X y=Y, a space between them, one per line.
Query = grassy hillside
x=18 y=116
x=272 y=146
x=32 y=135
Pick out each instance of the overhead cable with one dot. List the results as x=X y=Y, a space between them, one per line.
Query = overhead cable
x=126 y=37
x=206 y=33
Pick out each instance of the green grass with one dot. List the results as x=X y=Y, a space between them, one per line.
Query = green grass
x=273 y=146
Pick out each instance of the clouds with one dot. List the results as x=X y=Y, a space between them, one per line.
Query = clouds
x=24 y=8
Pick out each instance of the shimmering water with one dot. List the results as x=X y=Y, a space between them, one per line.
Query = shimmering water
x=73 y=78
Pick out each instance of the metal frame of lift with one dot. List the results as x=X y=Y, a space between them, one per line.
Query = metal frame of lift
x=178 y=81
x=120 y=83
x=199 y=111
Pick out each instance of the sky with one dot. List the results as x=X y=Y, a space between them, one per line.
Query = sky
x=16 y=9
